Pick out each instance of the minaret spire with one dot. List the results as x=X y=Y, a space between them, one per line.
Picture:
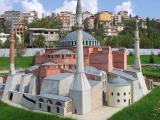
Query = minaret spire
x=137 y=64
x=79 y=8
x=80 y=90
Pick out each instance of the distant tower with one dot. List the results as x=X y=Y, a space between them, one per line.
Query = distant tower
x=137 y=64
x=12 y=41
x=80 y=91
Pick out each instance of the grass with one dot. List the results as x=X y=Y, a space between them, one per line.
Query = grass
x=20 y=62
x=11 y=113
x=24 y=62
x=148 y=108
x=145 y=59
x=151 y=72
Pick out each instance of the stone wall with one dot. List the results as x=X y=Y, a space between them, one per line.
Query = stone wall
x=28 y=52
x=33 y=51
x=97 y=96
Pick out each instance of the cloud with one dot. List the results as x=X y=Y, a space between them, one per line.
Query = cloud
x=125 y=6
x=70 y=5
x=5 y=5
x=33 y=5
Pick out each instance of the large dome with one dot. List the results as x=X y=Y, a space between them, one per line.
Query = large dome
x=70 y=40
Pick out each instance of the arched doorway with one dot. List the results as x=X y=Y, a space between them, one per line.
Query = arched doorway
x=49 y=102
x=58 y=105
x=11 y=96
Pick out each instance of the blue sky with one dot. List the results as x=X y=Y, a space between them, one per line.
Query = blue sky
x=142 y=8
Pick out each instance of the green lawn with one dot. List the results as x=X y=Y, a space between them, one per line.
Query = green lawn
x=20 y=62
x=145 y=59
x=151 y=72
x=148 y=108
x=11 y=113
x=24 y=62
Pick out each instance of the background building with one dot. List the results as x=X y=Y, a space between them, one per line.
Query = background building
x=86 y=14
x=67 y=19
x=50 y=35
x=89 y=23
x=3 y=37
x=20 y=28
x=2 y=24
x=105 y=16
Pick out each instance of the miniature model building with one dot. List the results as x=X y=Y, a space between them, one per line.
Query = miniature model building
x=65 y=80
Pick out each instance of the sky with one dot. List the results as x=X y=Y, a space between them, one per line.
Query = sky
x=144 y=8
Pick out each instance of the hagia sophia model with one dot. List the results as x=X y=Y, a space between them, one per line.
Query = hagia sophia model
x=73 y=79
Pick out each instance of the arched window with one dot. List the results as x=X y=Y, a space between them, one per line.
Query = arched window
x=50 y=102
x=58 y=104
x=124 y=100
x=118 y=100
x=118 y=94
x=41 y=100
x=124 y=94
x=11 y=96
x=87 y=43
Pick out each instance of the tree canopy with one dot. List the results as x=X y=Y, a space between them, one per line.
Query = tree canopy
x=47 y=22
x=149 y=38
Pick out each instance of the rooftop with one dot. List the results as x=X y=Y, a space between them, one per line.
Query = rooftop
x=55 y=97
x=118 y=81
x=59 y=76
x=63 y=52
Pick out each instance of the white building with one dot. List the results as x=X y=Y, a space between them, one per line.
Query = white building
x=118 y=93
x=4 y=37
x=77 y=90
x=86 y=14
x=50 y=35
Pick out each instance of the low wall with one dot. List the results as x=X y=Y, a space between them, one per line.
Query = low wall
x=33 y=51
x=144 y=51
x=28 y=52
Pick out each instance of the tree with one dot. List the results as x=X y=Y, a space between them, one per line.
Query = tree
x=39 y=42
x=26 y=38
x=20 y=49
x=47 y=22
x=1 y=45
x=151 y=58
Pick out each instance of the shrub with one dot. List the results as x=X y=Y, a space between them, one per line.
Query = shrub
x=151 y=58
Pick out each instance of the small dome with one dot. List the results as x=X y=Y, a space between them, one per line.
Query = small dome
x=70 y=40
x=118 y=81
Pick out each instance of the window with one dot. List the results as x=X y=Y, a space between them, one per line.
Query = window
x=58 y=105
x=124 y=100
x=40 y=105
x=50 y=102
x=75 y=111
x=118 y=94
x=48 y=108
x=129 y=93
x=41 y=100
x=112 y=93
x=11 y=96
x=124 y=94
x=118 y=100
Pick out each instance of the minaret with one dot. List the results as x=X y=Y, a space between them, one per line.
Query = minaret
x=80 y=91
x=137 y=64
x=12 y=41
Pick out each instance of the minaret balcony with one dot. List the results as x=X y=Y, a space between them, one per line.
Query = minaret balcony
x=79 y=26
